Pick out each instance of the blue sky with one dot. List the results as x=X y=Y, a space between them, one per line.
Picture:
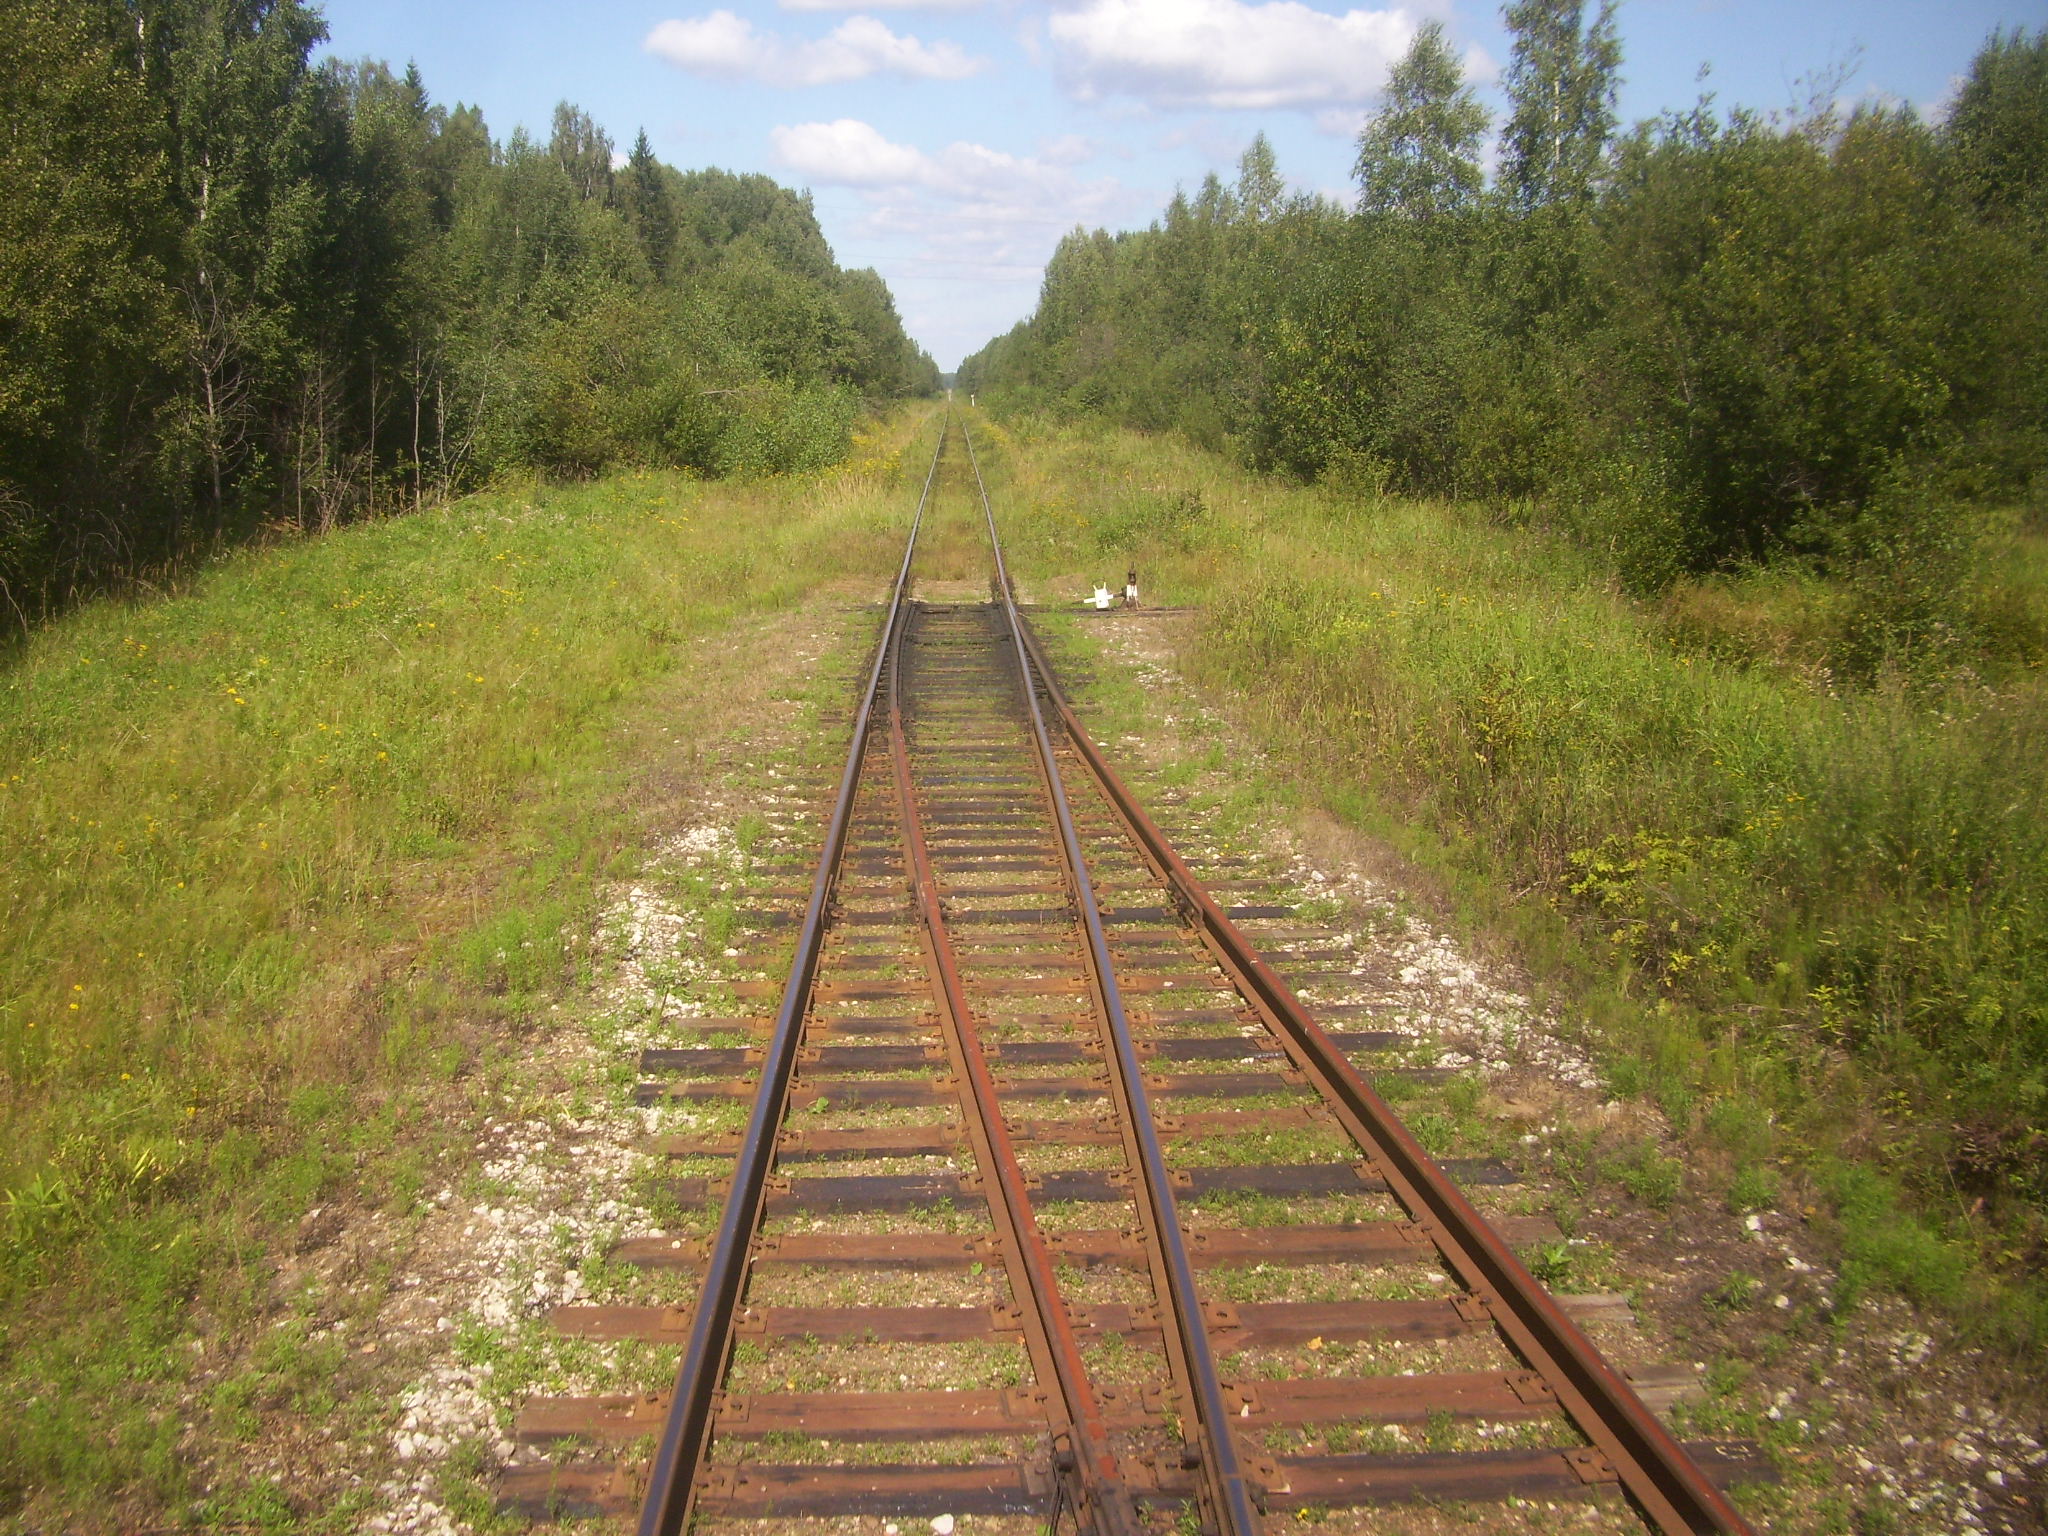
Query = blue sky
x=950 y=143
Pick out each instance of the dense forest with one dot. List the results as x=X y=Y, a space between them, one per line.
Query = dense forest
x=1714 y=340
x=239 y=288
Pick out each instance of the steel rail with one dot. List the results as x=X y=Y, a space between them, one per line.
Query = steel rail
x=685 y=1437
x=1087 y=1463
x=1666 y=1485
x=1221 y=1475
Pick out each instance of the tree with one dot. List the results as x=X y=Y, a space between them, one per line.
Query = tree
x=459 y=160
x=1997 y=139
x=584 y=152
x=1419 y=155
x=1214 y=203
x=393 y=339
x=90 y=327
x=1561 y=82
x=649 y=205
x=235 y=286
x=1260 y=188
x=259 y=150
x=1999 y=125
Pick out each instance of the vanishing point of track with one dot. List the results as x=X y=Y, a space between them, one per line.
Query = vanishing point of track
x=1058 y=1099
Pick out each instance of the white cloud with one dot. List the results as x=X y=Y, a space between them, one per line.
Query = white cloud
x=879 y=5
x=1227 y=53
x=848 y=153
x=967 y=220
x=1066 y=149
x=1218 y=141
x=725 y=44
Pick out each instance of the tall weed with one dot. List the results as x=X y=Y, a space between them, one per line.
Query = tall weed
x=273 y=847
x=1833 y=901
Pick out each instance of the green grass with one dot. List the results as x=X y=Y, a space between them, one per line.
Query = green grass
x=286 y=853
x=1810 y=919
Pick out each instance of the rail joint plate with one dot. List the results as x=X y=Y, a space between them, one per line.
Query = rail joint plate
x=1531 y=1388
x=1591 y=1467
x=1474 y=1306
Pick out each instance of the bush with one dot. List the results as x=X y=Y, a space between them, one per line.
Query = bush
x=778 y=429
x=1153 y=522
x=1904 y=558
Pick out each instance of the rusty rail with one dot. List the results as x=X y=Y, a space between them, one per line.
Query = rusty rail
x=1214 y=1451
x=678 y=1455
x=1084 y=1463
x=1659 y=1476
x=970 y=783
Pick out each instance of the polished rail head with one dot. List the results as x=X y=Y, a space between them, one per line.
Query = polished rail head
x=1086 y=1475
x=678 y=1455
x=1222 y=1476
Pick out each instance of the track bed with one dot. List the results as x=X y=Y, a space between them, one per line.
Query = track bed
x=1054 y=1204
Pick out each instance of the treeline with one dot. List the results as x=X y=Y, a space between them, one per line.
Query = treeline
x=1715 y=340
x=237 y=288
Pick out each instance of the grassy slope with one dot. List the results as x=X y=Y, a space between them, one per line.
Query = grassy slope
x=277 y=849
x=1812 y=923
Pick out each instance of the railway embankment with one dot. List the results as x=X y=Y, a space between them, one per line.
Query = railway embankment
x=390 y=1322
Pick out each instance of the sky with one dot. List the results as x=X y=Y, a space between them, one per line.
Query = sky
x=951 y=143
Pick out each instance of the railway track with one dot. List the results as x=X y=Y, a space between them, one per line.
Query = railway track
x=1052 y=1204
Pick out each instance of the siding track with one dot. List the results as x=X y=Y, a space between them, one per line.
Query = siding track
x=1053 y=1201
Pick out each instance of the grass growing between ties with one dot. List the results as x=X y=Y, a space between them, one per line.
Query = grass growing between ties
x=1806 y=909
x=285 y=856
